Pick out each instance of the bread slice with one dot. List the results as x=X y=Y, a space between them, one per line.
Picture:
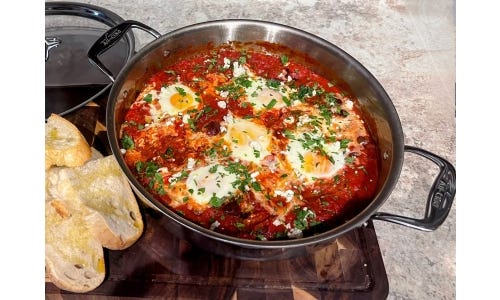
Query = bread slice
x=64 y=143
x=74 y=259
x=100 y=187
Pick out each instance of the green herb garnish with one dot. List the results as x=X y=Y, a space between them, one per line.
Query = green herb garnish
x=284 y=59
x=127 y=142
x=181 y=91
x=148 y=98
x=271 y=104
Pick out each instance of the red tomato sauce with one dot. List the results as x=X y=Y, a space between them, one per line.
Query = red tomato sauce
x=325 y=201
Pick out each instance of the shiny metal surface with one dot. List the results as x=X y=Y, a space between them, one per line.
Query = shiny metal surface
x=335 y=63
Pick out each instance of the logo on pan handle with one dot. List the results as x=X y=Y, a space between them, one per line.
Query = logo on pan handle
x=51 y=42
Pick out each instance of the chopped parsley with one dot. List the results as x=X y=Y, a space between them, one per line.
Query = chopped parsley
x=243 y=81
x=349 y=159
x=284 y=59
x=213 y=169
x=304 y=218
x=344 y=143
x=271 y=104
x=181 y=91
x=286 y=100
x=127 y=142
x=289 y=134
x=215 y=201
x=243 y=177
x=169 y=153
x=256 y=153
x=150 y=170
x=148 y=98
x=273 y=84
x=326 y=113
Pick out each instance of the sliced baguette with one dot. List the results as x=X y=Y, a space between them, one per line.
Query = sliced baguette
x=89 y=205
x=64 y=143
x=101 y=187
x=74 y=259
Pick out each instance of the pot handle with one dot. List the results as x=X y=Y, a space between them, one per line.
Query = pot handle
x=440 y=197
x=110 y=38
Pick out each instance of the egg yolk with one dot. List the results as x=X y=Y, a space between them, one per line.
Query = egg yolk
x=238 y=137
x=247 y=140
x=317 y=165
x=181 y=101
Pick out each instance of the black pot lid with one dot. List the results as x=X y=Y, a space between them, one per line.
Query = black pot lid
x=71 y=81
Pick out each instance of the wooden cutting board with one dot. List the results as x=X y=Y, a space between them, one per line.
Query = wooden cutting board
x=161 y=266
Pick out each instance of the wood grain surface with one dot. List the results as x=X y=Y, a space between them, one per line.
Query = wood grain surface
x=160 y=266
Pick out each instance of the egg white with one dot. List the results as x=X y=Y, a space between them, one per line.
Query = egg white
x=208 y=181
x=311 y=164
x=260 y=96
x=247 y=140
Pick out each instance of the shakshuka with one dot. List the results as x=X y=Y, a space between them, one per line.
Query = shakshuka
x=251 y=144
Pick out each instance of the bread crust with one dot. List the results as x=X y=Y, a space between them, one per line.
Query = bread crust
x=64 y=143
x=74 y=258
x=89 y=205
x=115 y=216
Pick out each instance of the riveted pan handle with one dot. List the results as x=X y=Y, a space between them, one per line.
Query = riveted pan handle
x=440 y=197
x=110 y=38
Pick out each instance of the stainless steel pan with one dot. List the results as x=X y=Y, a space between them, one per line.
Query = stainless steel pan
x=329 y=61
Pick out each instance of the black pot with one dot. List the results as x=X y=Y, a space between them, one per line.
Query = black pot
x=384 y=125
x=70 y=29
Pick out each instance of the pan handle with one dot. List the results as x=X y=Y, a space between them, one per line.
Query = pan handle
x=440 y=197
x=110 y=38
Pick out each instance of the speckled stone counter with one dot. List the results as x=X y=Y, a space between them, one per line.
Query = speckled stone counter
x=409 y=46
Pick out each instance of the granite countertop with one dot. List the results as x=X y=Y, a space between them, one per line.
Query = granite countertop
x=409 y=46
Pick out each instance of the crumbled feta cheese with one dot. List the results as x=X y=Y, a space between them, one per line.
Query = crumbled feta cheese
x=174 y=177
x=294 y=233
x=289 y=120
x=349 y=104
x=303 y=119
x=224 y=94
x=214 y=225
x=221 y=104
x=288 y=194
x=228 y=119
x=191 y=163
x=238 y=69
x=169 y=122
x=227 y=63
x=123 y=151
x=277 y=222
x=185 y=118
x=282 y=75
x=162 y=170
x=255 y=145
